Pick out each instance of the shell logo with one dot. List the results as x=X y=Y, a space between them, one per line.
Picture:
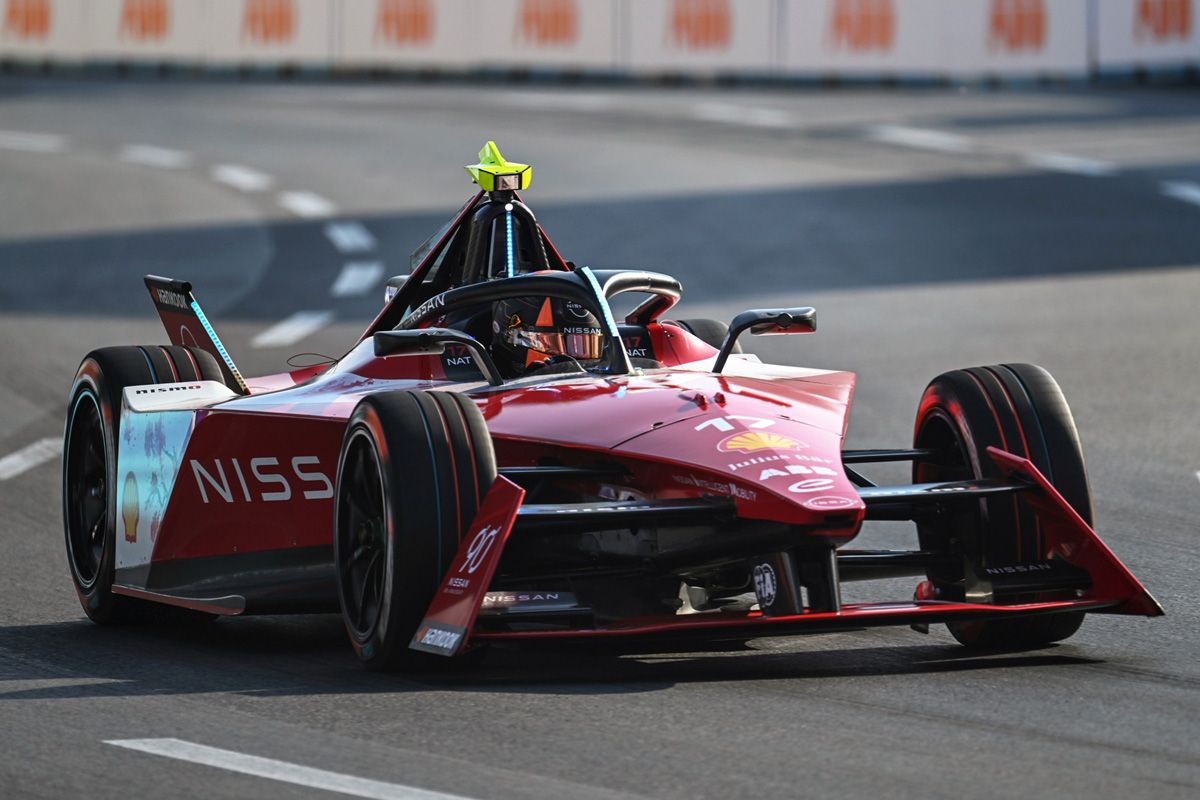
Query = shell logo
x=1164 y=19
x=28 y=19
x=863 y=24
x=1018 y=24
x=145 y=19
x=269 y=21
x=548 y=22
x=751 y=441
x=404 y=21
x=129 y=507
x=701 y=24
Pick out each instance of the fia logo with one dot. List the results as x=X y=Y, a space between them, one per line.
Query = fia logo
x=1017 y=25
x=765 y=585
x=701 y=24
x=28 y=19
x=862 y=25
x=145 y=20
x=404 y=21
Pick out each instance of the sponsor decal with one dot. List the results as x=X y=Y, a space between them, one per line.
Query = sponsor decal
x=479 y=548
x=145 y=20
x=505 y=599
x=580 y=329
x=547 y=22
x=260 y=479
x=829 y=501
x=1163 y=20
x=1017 y=569
x=700 y=24
x=862 y=24
x=169 y=297
x=1016 y=25
x=576 y=310
x=439 y=638
x=28 y=19
x=765 y=585
x=775 y=458
x=794 y=469
x=723 y=488
x=269 y=21
x=459 y=583
x=170 y=388
x=751 y=441
x=635 y=348
x=429 y=306
x=401 y=22
x=811 y=485
x=129 y=507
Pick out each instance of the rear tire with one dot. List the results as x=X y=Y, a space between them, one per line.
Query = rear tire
x=709 y=331
x=90 y=446
x=413 y=471
x=1018 y=408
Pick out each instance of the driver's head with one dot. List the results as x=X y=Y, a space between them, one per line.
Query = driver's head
x=528 y=331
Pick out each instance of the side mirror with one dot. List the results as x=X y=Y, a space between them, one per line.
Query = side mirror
x=432 y=342
x=393 y=286
x=766 y=322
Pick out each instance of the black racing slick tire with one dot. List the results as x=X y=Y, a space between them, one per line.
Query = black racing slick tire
x=709 y=331
x=91 y=440
x=413 y=471
x=1021 y=409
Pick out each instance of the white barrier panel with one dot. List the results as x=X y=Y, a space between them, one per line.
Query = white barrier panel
x=1133 y=33
x=865 y=36
x=274 y=32
x=162 y=30
x=43 y=30
x=415 y=33
x=1013 y=37
x=700 y=36
x=570 y=33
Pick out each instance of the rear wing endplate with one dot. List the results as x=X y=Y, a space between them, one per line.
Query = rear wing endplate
x=187 y=326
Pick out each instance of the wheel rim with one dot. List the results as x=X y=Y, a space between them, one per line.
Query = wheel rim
x=362 y=536
x=86 y=486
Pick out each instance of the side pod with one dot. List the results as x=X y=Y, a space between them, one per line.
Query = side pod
x=447 y=624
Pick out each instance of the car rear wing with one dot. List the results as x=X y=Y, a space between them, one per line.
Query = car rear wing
x=187 y=325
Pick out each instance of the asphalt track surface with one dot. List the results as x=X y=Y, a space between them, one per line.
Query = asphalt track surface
x=931 y=229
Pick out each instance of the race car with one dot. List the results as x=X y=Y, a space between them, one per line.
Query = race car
x=499 y=458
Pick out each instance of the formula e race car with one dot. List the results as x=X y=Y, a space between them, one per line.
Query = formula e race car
x=499 y=458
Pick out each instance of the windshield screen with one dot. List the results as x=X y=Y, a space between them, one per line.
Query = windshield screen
x=421 y=252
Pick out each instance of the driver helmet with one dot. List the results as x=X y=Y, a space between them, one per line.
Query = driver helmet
x=527 y=332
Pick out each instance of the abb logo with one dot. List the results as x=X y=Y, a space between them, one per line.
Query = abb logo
x=1018 y=24
x=145 y=19
x=404 y=21
x=269 y=21
x=1164 y=19
x=863 y=24
x=701 y=24
x=28 y=19
x=543 y=22
x=253 y=480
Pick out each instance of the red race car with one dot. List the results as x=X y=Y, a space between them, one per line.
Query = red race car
x=499 y=458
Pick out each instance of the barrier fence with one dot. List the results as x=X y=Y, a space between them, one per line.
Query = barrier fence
x=935 y=39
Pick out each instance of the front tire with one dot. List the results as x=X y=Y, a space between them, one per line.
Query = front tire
x=413 y=471
x=90 y=448
x=1018 y=408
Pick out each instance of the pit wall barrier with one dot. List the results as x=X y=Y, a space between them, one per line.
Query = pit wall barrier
x=802 y=39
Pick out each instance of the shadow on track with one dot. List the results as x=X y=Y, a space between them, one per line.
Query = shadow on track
x=309 y=656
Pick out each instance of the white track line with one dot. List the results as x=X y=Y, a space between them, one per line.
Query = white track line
x=1182 y=190
x=242 y=178
x=28 y=457
x=307 y=204
x=282 y=771
x=920 y=138
x=357 y=277
x=150 y=156
x=32 y=142
x=350 y=237
x=1198 y=474
x=293 y=329
x=751 y=116
x=1060 y=162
